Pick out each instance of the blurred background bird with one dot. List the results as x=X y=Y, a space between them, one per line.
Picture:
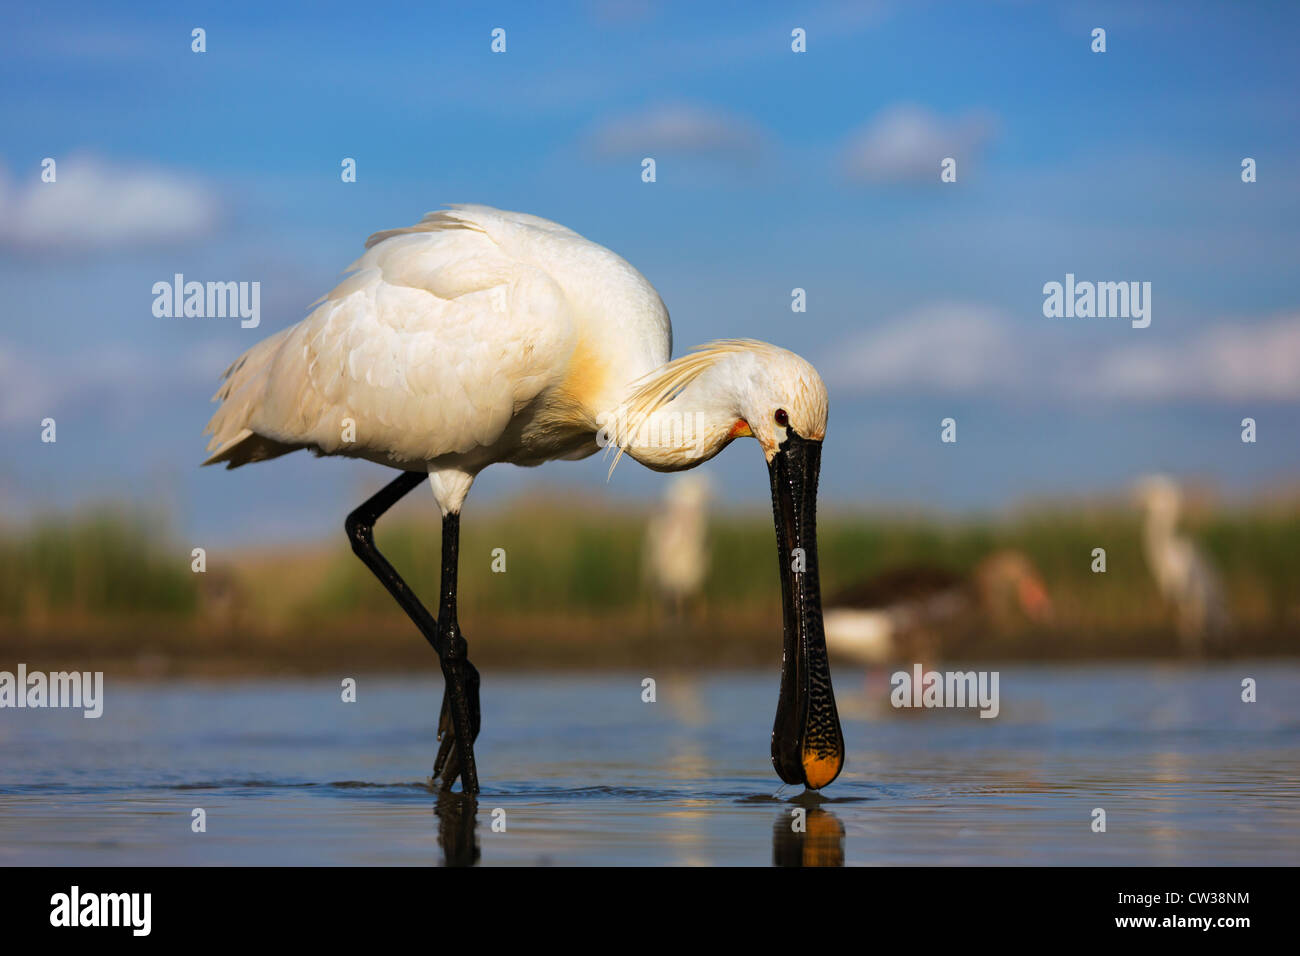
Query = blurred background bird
x=677 y=548
x=915 y=612
x=1183 y=573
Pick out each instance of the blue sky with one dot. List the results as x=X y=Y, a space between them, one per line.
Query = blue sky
x=775 y=170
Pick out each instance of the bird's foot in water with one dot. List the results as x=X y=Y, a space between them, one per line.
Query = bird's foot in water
x=447 y=764
x=450 y=762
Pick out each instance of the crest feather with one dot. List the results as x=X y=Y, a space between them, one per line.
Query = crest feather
x=657 y=389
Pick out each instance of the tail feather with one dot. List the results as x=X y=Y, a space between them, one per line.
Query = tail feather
x=242 y=387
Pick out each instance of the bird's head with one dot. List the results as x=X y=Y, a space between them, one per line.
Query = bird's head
x=759 y=390
x=779 y=396
x=741 y=388
x=807 y=743
x=1160 y=496
x=1008 y=579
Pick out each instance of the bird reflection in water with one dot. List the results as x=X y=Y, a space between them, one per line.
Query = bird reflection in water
x=457 y=828
x=813 y=837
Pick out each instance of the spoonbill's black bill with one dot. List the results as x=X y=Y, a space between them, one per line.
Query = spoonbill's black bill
x=807 y=743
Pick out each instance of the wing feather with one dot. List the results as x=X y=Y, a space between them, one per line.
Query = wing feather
x=429 y=346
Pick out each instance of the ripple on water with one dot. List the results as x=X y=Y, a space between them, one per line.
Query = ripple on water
x=1188 y=773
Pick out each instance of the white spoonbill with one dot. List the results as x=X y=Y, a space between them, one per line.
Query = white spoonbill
x=677 y=546
x=479 y=336
x=1183 y=574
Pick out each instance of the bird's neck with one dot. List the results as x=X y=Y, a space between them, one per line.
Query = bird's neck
x=1159 y=525
x=686 y=431
x=675 y=438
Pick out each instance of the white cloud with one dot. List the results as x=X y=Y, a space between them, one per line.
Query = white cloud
x=962 y=348
x=677 y=128
x=1243 y=361
x=93 y=204
x=906 y=143
x=948 y=347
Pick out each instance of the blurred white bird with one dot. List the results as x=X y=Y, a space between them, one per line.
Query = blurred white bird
x=1186 y=579
x=677 y=546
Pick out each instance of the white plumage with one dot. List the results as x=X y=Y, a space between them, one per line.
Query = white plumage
x=479 y=336
x=677 y=547
x=437 y=342
x=1183 y=574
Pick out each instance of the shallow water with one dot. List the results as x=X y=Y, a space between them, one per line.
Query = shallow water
x=579 y=770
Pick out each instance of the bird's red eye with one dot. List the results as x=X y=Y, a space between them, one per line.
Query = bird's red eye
x=782 y=418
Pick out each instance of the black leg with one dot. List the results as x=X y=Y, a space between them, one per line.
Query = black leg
x=461 y=702
x=460 y=675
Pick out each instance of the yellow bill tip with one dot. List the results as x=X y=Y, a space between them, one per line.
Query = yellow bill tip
x=820 y=770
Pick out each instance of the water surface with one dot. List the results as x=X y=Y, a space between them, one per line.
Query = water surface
x=577 y=769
